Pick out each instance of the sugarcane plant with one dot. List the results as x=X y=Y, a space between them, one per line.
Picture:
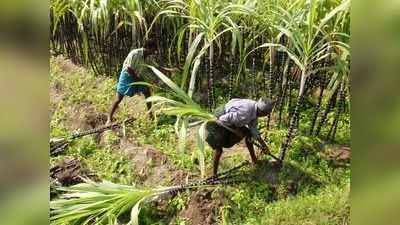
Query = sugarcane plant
x=309 y=50
x=99 y=34
x=207 y=21
x=184 y=107
x=106 y=202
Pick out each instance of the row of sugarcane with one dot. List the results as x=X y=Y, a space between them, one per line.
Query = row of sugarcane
x=297 y=47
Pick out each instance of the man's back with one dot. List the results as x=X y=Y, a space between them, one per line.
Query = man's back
x=239 y=112
x=134 y=60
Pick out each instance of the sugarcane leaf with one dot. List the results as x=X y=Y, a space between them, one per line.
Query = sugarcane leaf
x=163 y=100
x=189 y=57
x=201 y=138
x=182 y=135
x=142 y=83
x=181 y=34
x=135 y=213
x=343 y=6
x=193 y=76
x=179 y=92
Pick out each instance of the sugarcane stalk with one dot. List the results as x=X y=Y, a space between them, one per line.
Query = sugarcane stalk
x=253 y=69
x=231 y=76
x=210 y=88
x=220 y=178
x=318 y=107
x=285 y=81
x=328 y=109
x=271 y=78
x=292 y=127
x=340 y=109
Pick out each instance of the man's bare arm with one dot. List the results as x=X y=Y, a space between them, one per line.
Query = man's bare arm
x=133 y=73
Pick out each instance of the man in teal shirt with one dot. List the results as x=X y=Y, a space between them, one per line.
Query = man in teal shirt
x=133 y=68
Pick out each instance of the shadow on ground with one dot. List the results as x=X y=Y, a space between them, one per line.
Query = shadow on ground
x=282 y=180
x=273 y=173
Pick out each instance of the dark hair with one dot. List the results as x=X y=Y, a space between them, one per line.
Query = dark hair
x=265 y=105
x=150 y=44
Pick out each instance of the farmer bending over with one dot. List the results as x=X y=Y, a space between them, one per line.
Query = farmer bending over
x=237 y=120
x=132 y=71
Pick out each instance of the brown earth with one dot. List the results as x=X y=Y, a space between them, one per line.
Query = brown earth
x=203 y=207
x=69 y=171
x=151 y=165
x=337 y=155
x=342 y=153
x=84 y=117
x=66 y=64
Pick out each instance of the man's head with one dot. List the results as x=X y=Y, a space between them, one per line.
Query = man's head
x=264 y=107
x=150 y=47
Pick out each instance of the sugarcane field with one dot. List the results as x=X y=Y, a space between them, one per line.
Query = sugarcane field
x=199 y=112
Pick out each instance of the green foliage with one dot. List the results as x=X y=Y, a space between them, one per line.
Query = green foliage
x=329 y=206
x=184 y=108
x=98 y=203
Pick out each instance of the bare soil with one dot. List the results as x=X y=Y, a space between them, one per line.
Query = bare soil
x=203 y=207
x=151 y=165
x=69 y=172
x=67 y=65
x=84 y=117
x=337 y=155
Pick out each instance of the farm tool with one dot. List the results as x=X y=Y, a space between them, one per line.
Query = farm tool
x=266 y=151
x=59 y=144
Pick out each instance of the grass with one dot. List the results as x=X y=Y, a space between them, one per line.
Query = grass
x=311 y=190
x=329 y=206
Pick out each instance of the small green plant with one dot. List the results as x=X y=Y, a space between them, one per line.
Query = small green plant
x=86 y=147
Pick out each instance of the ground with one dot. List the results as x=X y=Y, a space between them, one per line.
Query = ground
x=311 y=187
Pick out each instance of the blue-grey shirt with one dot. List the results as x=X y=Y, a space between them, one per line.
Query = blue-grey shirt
x=240 y=113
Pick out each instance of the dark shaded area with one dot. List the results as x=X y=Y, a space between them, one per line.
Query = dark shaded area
x=69 y=172
x=286 y=175
x=219 y=137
